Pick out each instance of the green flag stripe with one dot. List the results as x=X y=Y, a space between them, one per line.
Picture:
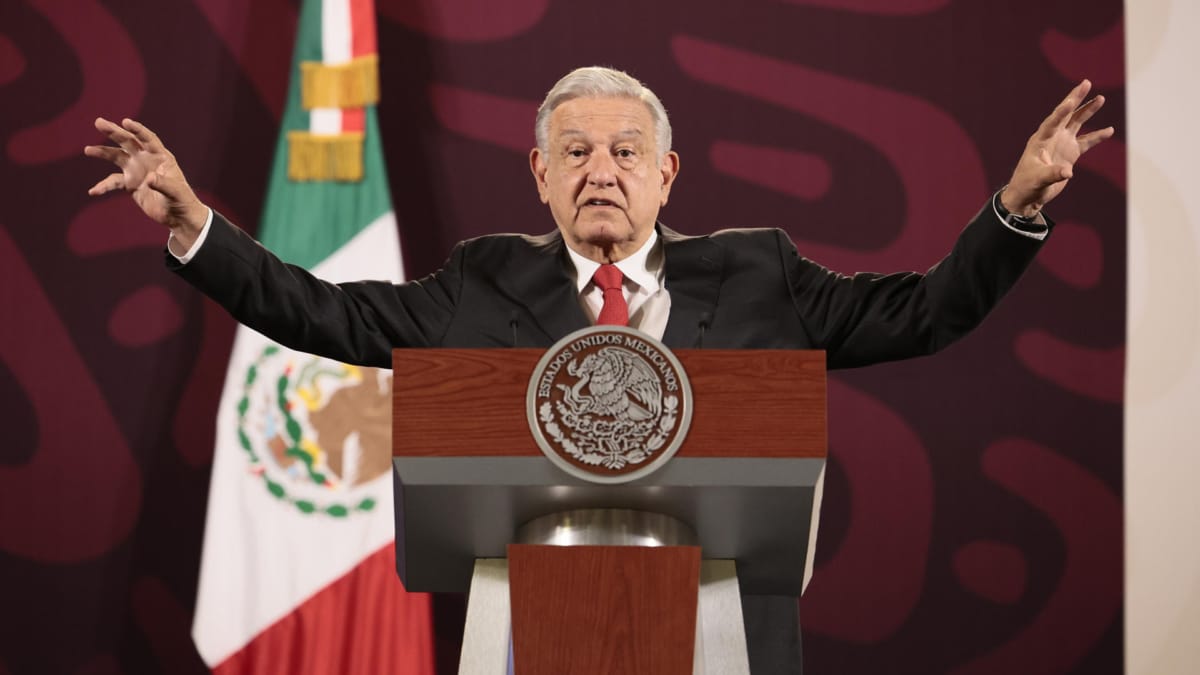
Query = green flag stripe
x=304 y=222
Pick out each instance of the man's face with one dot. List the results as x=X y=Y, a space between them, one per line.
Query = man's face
x=601 y=175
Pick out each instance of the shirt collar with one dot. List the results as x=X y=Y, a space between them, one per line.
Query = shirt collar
x=643 y=268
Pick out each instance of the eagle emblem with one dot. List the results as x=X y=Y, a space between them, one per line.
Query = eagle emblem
x=609 y=404
x=618 y=384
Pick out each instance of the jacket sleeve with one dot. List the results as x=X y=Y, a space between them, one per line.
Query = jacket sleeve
x=866 y=318
x=358 y=322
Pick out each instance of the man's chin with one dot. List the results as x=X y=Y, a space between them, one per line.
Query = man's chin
x=605 y=234
x=600 y=238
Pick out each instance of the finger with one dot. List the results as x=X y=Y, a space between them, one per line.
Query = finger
x=125 y=139
x=104 y=126
x=118 y=135
x=147 y=138
x=1089 y=141
x=107 y=152
x=1062 y=113
x=1084 y=113
x=114 y=181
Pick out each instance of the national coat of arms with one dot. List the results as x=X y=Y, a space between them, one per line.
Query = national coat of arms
x=314 y=430
x=609 y=404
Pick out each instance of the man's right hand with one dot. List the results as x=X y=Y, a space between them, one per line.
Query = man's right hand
x=149 y=172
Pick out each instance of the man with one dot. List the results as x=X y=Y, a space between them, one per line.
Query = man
x=604 y=166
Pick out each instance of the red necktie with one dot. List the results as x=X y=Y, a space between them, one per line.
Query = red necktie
x=615 y=311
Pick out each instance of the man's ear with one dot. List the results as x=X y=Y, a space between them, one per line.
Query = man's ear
x=537 y=164
x=669 y=168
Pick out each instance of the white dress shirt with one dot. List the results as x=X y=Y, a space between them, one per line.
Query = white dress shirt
x=647 y=296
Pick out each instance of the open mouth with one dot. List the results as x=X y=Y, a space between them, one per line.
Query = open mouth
x=599 y=202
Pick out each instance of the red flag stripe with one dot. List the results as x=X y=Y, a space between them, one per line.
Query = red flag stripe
x=354 y=119
x=362 y=43
x=364 y=623
x=362 y=28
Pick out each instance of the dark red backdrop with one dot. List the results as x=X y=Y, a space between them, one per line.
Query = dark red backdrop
x=972 y=521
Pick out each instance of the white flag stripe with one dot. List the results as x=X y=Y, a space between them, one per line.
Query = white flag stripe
x=367 y=256
x=335 y=32
x=325 y=120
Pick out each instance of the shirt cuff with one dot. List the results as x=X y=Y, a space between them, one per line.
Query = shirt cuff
x=1039 y=227
x=191 y=252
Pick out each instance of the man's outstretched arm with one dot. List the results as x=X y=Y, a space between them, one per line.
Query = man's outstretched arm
x=866 y=318
x=353 y=322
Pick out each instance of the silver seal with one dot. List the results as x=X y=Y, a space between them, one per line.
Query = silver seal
x=609 y=404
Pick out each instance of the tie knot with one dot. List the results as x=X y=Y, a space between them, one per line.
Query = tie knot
x=608 y=277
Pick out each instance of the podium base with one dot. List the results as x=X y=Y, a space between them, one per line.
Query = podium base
x=610 y=597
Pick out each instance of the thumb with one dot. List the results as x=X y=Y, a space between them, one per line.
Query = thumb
x=1053 y=173
x=173 y=188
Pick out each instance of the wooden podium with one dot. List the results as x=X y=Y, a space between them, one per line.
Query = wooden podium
x=570 y=576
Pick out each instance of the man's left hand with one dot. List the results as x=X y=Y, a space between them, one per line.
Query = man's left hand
x=1050 y=155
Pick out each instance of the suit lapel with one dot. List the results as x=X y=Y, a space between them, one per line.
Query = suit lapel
x=544 y=286
x=693 y=267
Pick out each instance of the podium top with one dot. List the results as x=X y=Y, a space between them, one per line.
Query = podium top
x=469 y=473
x=471 y=403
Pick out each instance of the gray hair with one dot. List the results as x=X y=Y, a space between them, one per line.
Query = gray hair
x=601 y=82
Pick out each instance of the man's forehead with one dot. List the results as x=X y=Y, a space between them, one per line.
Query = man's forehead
x=623 y=117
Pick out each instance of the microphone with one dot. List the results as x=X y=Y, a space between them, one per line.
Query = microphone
x=702 y=326
x=513 y=317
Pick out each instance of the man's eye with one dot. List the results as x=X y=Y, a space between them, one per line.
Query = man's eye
x=625 y=152
x=576 y=153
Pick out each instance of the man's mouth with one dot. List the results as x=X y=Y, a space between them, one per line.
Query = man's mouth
x=599 y=202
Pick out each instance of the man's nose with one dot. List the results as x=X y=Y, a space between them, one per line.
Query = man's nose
x=602 y=170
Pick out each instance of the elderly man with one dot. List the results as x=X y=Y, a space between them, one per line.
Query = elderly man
x=604 y=165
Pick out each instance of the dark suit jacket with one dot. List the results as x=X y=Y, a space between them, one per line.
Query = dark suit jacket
x=749 y=289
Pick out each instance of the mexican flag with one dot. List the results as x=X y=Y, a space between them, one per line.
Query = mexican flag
x=298 y=569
